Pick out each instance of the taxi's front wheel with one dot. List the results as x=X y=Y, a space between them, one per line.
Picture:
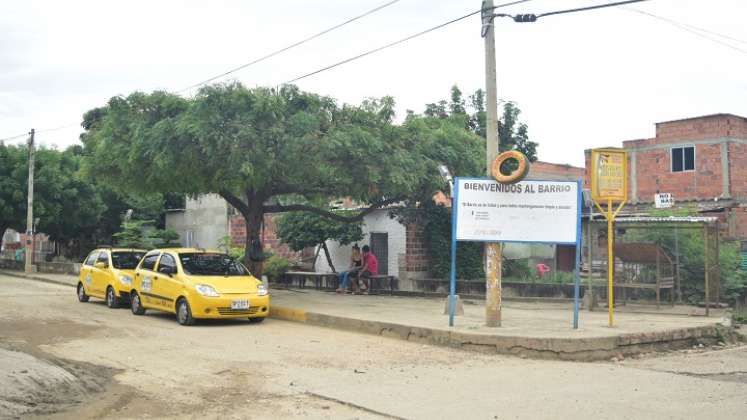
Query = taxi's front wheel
x=82 y=296
x=112 y=301
x=184 y=313
x=135 y=305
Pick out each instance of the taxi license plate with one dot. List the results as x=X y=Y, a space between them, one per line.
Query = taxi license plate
x=240 y=304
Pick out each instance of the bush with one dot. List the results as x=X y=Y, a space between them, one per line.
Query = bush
x=227 y=246
x=517 y=269
x=276 y=266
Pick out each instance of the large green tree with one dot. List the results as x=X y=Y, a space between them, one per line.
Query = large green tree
x=512 y=133
x=13 y=163
x=266 y=150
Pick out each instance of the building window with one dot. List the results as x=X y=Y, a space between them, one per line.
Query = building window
x=683 y=159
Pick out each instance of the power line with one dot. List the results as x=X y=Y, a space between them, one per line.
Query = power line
x=701 y=32
x=391 y=44
x=14 y=137
x=295 y=44
x=583 y=9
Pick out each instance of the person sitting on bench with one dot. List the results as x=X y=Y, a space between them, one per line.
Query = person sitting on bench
x=356 y=261
x=370 y=268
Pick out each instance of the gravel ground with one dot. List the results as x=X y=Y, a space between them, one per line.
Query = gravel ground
x=85 y=361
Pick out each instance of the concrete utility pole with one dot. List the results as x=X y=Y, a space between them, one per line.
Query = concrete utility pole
x=493 y=251
x=30 y=208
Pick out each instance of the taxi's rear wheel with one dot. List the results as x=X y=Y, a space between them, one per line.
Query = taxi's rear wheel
x=112 y=301
x=82 y=296
x=184 y=313
x=136 y=305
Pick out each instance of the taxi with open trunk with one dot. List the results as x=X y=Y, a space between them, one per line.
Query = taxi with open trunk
x=107 y=273
x=196 y=283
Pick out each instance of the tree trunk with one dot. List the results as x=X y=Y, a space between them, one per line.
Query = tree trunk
x=329 y=259
x=253 y=218
x=2 y=235
x=316 y=256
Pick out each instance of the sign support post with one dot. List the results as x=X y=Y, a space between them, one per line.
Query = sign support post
x=452 y=273
x=577 y=279
x=609 y=182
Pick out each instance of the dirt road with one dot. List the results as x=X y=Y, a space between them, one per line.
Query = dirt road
x=63 y=359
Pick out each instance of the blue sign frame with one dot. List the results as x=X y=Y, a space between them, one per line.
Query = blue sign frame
x=577 y=243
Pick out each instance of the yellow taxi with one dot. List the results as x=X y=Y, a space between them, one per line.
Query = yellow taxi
x=107 y=273
x=197 y=283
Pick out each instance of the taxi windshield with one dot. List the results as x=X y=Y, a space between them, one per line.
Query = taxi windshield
x=203 y=264
x=126 y=260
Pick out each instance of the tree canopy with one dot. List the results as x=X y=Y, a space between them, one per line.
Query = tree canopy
x=267 y=150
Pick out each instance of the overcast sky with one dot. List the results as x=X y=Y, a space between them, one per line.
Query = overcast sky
x=581 y=80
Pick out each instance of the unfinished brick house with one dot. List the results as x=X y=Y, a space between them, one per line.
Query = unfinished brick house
x=701 y=161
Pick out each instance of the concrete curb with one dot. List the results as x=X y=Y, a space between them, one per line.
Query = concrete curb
x=577 y=349
x=35 y=278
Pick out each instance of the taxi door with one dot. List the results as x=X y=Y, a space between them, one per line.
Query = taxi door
x=98 y=275
x=166 y=284
x=86 y=271
x=144 y=278
x=104 y=276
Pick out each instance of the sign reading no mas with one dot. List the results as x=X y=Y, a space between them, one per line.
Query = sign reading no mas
x=528 y=211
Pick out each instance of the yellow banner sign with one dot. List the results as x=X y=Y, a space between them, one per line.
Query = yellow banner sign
x=609 y=175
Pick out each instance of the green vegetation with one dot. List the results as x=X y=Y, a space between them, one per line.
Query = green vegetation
x=140 y=234
x=692 y=258
x=302 y=230
x=267 y=150
x=275 y=267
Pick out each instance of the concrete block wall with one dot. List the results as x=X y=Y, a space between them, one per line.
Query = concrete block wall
x=654 y=174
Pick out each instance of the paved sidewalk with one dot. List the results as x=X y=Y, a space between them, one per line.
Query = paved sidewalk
x=62 y=279
x=541 y=330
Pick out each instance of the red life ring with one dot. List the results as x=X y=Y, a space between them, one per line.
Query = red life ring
x=515 y=176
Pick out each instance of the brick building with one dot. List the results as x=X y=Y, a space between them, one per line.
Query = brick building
x=701 y=161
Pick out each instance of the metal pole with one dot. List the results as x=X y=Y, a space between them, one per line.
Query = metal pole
x=30 y=208
x=493 y=251
x=577 y=286
x=591 y=259
x=707 y=270
x=610 y=264
x=677 y=263
x=452 y=274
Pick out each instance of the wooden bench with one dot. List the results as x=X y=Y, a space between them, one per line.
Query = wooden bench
x=318 y=280
x=377 y=282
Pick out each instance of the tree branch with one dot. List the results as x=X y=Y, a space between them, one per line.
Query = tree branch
x=235 y=202
x=331 y=215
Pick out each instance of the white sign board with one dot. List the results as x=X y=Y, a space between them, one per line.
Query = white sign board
x=663 y=201
x=528 y=211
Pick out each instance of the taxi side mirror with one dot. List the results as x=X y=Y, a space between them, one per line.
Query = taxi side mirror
x=100 y=264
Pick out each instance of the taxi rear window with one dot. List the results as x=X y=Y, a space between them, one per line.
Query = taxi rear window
x=126 y=260
x=207 y=264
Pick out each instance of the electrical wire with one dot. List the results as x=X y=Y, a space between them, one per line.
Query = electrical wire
x=295 y=44
x=392 y=44
x=13 y=137
x=701 y=32
x=583 y=9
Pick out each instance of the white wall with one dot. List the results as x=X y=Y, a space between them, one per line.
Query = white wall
x=377 y=222
x=206 y=217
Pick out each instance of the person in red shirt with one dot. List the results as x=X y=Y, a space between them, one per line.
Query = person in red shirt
x=370 y=268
